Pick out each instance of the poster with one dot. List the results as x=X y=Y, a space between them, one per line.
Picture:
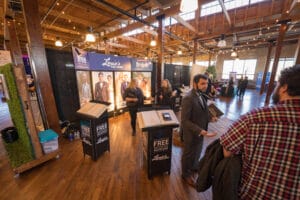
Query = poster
x=103 y=88
x=144 y=82
x=86 y=132
x=122 y=80
x=84 y=87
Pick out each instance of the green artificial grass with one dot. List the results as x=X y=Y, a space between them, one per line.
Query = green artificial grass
x=20 y=151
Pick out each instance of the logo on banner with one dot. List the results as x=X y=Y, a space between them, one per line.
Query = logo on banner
x=109 y=63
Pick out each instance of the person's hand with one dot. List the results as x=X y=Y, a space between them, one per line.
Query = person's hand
x=214 y=119
x=207 y=134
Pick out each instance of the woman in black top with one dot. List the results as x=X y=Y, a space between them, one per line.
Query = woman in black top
x=165 y=93
x=134 y=98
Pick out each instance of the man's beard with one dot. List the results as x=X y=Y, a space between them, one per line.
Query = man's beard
x=275 y=96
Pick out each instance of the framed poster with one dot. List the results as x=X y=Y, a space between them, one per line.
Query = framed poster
x=84 y=87
x=144 y=82
x=122 y=80
x=103 y=88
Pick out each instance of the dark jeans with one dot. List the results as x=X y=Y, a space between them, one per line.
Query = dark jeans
x=132 y=112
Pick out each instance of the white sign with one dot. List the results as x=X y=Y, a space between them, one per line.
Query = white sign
x=4 y=57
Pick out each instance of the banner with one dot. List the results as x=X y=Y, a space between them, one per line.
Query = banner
x=80 y=58
x=105 y=62
x=141 y=65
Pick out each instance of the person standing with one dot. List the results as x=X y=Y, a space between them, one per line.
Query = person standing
x=268 y=139
x=86 y=94
x=243 y=87
x=101 y=89
x=194 y=122
x=134 y=98
x=239 y=86
x=165 y=93
x=124 y=85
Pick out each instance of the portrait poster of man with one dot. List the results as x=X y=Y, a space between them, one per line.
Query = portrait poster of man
x=122 y=80
x=84 y=86
x=103 y=88
x=144 y=82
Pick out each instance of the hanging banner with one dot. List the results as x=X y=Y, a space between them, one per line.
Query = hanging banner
x=80 y=58
x=105 y=62
x=141 y=65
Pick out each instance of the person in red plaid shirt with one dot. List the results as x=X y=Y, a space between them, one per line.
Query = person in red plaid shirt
x=269 y=140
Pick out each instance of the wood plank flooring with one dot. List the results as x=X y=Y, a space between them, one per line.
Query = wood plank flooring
x=118 y=174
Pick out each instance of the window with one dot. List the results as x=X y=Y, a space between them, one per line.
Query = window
x=203 y=63
x=241 y=67
x=214 y=7
x=282 y=64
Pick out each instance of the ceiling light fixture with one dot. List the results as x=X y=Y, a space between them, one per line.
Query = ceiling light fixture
x=222 y=42
x=233 y=54
x=90 y=37
x=153 y=43
x=179 y=52
x=188 y=5
x=58 y=42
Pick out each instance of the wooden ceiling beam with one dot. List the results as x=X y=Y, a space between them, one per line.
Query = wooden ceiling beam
x=221 y=2
x=132 y=39
x=184 y=23
x=169 y=12
x=66 y=16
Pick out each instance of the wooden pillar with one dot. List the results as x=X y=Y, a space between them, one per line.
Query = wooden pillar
x=19 y=72
x=280 y=38
x=195 y=51
x=297 y=53
x=160 y=43
x=262 y=87
x=106 y=51
x=39 y=62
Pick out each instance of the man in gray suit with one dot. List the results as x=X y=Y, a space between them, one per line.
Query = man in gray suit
x=194 y=121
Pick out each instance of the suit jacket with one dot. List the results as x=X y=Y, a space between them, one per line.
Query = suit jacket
x=102 y=93
x=194 y=114
x=124 y=85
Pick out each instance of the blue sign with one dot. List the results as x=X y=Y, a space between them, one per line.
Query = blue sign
x=108 y=62
x=80 y=58
x=141 y=65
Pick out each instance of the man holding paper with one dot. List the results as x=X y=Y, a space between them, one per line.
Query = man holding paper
x=194 y=121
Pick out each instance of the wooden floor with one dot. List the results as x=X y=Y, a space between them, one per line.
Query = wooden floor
x=118 y=174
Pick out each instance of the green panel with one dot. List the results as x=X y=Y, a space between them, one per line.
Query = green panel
x=20 y=151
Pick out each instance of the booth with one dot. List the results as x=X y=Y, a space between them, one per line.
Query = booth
x=157 y=141
x=94 y=129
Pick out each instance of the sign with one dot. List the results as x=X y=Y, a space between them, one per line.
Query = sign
x=86 y=132
x=80 y=58
x=141 y=65
x=4 y=57
x=108 y=62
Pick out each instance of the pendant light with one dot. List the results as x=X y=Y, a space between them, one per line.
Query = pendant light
x=90 y=37
x=58 y=42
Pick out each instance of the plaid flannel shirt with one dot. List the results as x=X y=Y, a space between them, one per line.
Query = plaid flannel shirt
x=269 y=140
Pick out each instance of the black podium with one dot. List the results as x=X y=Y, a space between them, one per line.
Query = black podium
x=157 y=141
x=94 y=129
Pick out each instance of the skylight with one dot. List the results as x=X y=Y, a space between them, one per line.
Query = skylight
x=214 y=6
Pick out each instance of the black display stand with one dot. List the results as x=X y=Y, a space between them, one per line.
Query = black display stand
x=158 y=144
x=94 y=134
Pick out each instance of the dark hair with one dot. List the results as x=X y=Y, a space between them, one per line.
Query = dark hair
x=197 y=77
x=291 y=77
x=100 y=73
